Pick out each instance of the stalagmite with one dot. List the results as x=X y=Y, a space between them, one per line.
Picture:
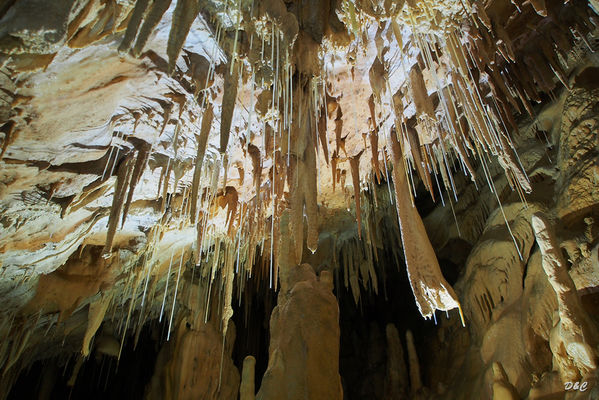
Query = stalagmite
x=574 y=338
x=247 y=390
x=415 y=382
x=120 y=190
x=303 y=358
x=396 y=382
x=431 y=290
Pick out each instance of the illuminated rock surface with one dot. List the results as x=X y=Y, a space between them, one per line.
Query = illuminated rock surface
x=362 y=199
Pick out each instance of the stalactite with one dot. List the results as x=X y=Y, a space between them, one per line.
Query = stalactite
x=354 y=163
x=9 y=136
x=141 y=161
x=230 y=199
x=201 y=142
x=122 y=181
x=95 y=316
x=507 y=159
x=228 y=106
x=296 y=205
x=135 y=21
x=308 y=179
x=151 y=20
x=164 y=201
x=168 y=108
x=481 y=71
x=338 y=129
x=103 y=25
x=184 y=15
x=423 y=103
x=227 y=311
x=322 y=133
x=254 y=153
x=423 y=171
x=75 y=24
x=241 y=172
x=75 y=372
x=371 y=107
x=334 y=161
x=18 y=347
x=374 y=149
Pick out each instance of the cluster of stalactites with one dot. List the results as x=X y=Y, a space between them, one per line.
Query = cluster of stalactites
x=470 y=122
x=481 y=76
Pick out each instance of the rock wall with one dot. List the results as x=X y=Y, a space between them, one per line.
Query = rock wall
x=518 y=344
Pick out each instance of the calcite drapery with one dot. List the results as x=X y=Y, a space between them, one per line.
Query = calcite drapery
x=431 y=290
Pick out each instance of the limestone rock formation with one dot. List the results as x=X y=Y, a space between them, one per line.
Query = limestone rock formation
x=304 y=346
x=170 y=170
x=574 y=338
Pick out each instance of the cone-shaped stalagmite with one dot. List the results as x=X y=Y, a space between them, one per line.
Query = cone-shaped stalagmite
x=396 y=382
x=415 y=381
x=303 y=360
